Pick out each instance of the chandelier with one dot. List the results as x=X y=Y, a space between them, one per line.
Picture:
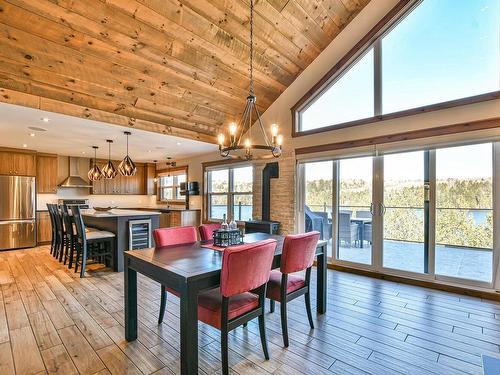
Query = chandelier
x=250 y=115
x=127 y=166
x=95 y=173
x=108 y=170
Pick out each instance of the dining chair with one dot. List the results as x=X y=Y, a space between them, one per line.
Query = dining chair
x=284 y=286
x=59 y=231
x=169 y=237
x=97 y=244
x=207 y=231
x=242 y=293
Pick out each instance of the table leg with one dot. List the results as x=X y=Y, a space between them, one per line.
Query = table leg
x=130 y=276
x=189 y=331
x=321 y=280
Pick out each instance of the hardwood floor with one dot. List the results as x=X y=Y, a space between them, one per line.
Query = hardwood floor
x=51 y=321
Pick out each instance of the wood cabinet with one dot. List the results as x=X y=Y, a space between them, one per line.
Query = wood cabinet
x=180 y=218
x=44 y=227
x=121 y=185
x=17 y=163
x=46 y=173
x=150 y=179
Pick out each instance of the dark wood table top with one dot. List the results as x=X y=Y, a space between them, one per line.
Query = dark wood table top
x=190 y=261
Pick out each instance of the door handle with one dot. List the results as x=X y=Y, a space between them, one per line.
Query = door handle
x=382 y=208
x=6 y=222
x=372 y=207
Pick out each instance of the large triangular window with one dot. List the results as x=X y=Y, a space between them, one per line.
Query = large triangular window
x=435 y=51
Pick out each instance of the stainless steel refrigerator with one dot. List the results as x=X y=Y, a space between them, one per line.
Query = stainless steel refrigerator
x=17 y=212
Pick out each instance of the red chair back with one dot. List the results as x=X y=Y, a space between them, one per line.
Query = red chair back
x=246 y=267
x=207 y=231
x=298 y=251
x=174 y=236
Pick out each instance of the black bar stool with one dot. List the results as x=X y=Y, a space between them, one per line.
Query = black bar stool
x=53 y=228
x=95 y=245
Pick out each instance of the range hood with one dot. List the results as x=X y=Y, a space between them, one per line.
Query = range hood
x=74 y=179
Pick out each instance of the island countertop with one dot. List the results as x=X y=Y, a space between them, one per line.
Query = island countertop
x=118 y=213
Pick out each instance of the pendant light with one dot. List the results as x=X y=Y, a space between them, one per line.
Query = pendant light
x=95 y=173
x=109 y=171
x=127 y=166
x=272 y=144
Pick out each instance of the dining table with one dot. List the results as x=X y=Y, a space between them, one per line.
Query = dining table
x=190 y=269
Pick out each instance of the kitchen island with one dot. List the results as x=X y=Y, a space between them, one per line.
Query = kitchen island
x=119 y=222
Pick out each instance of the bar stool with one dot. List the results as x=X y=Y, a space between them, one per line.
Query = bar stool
x=96 y=245
x=169 y=237
x=53 y=228
x=298 y=255
x=207 y=231
x=242 y=293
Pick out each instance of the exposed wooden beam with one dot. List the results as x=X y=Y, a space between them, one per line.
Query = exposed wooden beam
x=38 y=102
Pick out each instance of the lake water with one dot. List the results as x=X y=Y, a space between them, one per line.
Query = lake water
x=246 y=212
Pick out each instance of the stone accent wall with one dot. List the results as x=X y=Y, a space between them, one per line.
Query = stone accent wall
x=282 y=193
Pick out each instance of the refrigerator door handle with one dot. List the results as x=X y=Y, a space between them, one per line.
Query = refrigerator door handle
x=7 y=222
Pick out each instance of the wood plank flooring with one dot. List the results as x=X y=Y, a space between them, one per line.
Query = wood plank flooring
x=51 y=321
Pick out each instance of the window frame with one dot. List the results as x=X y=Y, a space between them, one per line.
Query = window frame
x=230 y=194
x=373 y=40
x=173 y=172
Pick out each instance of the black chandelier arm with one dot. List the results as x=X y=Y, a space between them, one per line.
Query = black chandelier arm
x=243 y=118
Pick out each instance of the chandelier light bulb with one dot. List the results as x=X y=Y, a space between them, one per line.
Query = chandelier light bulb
x=232 y=128
x=248 y=144
x=274 y=130
x=220 y=139
x=279 y=140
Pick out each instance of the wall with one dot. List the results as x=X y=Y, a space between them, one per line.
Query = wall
x=129 y=201
x=283 y=193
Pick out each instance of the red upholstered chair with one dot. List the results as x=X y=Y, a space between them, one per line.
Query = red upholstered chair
x=207 y=231
x=242 y=293
x=297 y=255
x=169 y=237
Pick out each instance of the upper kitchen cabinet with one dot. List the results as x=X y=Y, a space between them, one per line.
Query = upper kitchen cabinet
x=17 y=162
x=46 y=172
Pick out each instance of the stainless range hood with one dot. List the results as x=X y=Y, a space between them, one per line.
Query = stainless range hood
x=74 y=179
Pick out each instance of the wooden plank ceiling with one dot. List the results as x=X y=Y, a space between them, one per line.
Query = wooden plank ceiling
x=176 y=67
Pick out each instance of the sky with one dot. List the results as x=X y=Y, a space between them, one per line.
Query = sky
x=443 y=50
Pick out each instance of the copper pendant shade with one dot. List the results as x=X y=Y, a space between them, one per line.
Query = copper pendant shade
x=127 y=166
x=109 y=171
x=94 y=173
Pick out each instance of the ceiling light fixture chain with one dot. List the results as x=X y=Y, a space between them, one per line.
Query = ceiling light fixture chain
x=244 y=127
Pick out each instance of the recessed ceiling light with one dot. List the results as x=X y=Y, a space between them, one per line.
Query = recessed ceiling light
x=83 y=152
x=32 y=134
x=149 y=151
x=25 y=145
x=178 y=143
x=45 y=119
x=37 y=129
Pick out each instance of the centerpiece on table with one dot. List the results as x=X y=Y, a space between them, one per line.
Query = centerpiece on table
x=228 y=234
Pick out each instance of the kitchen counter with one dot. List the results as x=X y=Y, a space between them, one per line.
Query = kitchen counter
x=162 y=209
x=118 y=222
x=118 y=212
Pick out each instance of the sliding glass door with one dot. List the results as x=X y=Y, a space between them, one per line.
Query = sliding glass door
x=354 y=224
x=464 y=212
x=404 y=211
x=319 y=200
x=426 y=214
